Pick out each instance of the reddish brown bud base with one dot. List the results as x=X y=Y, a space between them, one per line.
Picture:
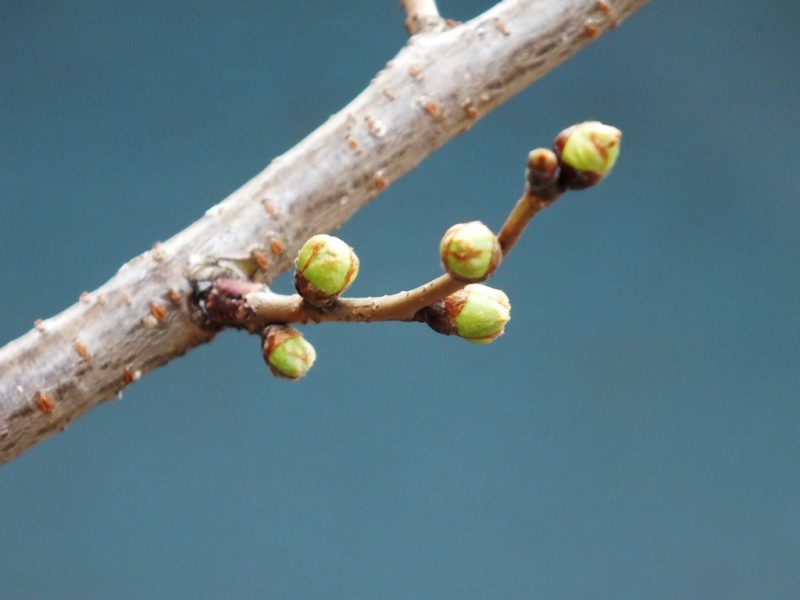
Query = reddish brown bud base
x=544 y=171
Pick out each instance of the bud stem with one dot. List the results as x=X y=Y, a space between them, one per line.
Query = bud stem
x=527 y=207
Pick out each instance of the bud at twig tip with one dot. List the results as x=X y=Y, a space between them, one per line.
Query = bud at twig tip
x=588 y=152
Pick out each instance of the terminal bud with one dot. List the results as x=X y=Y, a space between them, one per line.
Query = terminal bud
x=588 y=152
x=477 y=313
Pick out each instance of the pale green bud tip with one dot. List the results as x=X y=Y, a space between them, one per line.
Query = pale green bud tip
x=287 y=352
x=470 y=251
x=479 y=313
x=591 y=146
x=325 y=267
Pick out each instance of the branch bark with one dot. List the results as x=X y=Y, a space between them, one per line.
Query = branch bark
x=436 y=87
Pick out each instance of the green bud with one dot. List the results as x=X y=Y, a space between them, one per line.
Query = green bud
x=591 y=149
x=470 y=251
x=287 y=352
x=324 y=268
x=476 y=313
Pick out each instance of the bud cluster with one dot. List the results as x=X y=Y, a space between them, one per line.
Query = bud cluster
x=470 y=253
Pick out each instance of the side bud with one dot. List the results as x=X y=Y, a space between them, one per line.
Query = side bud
x=470 y=251
x=325 y=267
x=287 y=352
x=588 y=152
x=476 y=313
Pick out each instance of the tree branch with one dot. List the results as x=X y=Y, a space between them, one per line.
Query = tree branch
x=434 y=89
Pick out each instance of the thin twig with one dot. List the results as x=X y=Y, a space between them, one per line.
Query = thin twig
x=244 y=305
x=525 y=209
x=421 y=15
x=265 y=307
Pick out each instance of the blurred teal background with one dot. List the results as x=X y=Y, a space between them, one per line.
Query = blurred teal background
x=634 y=435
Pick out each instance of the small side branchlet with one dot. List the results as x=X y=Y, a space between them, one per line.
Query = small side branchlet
x=325 y=267
x=287 y=353
x=454 y=303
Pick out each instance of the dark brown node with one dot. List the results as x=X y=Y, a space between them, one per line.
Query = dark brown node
x=223 y=302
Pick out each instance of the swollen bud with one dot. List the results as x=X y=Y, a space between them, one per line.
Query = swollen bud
x=588 y=152
x=324 y=268
x=470 y=251
x=476 y=313
x=287 y=352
